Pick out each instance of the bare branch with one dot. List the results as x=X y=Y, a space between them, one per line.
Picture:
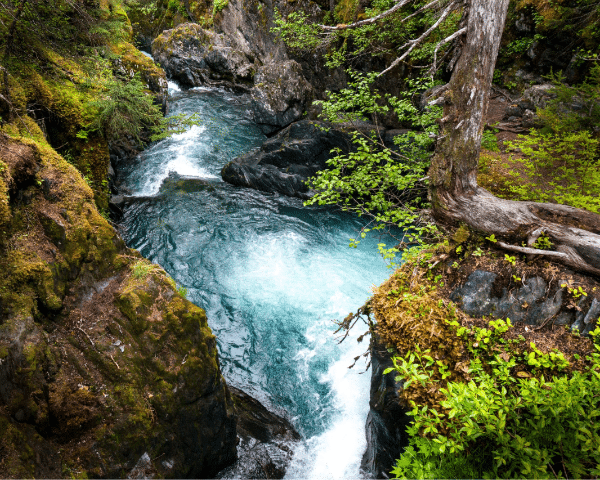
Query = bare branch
x=458 y=33
x=368 y=21
x=531 y=251
x=414 y=43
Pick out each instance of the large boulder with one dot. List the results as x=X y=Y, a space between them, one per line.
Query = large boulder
x=194 y=56
x=285 y=162
x=265 y=440
x=280 y=95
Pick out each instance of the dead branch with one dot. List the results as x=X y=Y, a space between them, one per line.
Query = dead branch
x=412 y=44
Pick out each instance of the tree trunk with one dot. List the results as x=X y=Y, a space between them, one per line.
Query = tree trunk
x=454 y=193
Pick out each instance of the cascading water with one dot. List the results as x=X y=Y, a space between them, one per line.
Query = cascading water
x=270 y=273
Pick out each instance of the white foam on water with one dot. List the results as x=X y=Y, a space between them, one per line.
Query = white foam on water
x=173 y=87
x=285 y=267
x=337 y=452
x=149 y=55
x=180 y=161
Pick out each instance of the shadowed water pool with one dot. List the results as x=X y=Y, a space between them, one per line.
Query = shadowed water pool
x=270 y=273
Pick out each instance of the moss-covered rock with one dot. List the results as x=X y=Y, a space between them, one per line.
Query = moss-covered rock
x=99 y=363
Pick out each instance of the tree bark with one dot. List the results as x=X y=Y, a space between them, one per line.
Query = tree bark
x=456 y=197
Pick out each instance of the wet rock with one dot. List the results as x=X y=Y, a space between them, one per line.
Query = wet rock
x=533 y=303
x=266 y=440
x=387 y=419
x=194 y=56
x=516 y=304
x=285 y=162
x=547 y=309
x=474 y=296
x=280 y=95
x=592 y=317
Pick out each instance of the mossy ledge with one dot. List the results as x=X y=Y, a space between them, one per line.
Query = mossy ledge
x=413 y=310
x=99 y=364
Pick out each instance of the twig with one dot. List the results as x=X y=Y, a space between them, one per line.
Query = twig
x=116 y=364
x=532 y=251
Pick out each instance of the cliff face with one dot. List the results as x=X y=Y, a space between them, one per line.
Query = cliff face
x=101 y=361
x=104 y=367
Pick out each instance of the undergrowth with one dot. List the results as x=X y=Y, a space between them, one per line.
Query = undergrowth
x=486 y=402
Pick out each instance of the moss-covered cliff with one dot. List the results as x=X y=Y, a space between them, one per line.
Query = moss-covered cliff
x=103 y=365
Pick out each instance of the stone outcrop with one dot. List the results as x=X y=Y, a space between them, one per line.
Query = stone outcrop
x=387 y=419
x=103 y=365
x=534 y=303
x=265 y=440
x=285 y=162
x=194 y=56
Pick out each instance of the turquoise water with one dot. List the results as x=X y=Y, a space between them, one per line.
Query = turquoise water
x=270 y=273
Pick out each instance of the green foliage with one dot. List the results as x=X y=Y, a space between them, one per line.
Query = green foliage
x=521 y=45
x=126 y=109
x=67 y=26
x=567 y=150
x=385 y=38
x=372 y=180
x=543 y=242
x=571 y=161
x=297 y=31
x=489 y=141
x=575 y=107
x=141 y=269
x=182 y=291
x=219 y=5
x=509 y=420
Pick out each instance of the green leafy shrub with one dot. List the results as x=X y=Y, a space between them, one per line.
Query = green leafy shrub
x=219 y=5
x=521 y=415
x=374 y=181
x=562 y=168
x=574 y=107
x=125 y=109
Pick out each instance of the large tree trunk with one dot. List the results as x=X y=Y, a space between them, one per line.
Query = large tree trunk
x=454 y=192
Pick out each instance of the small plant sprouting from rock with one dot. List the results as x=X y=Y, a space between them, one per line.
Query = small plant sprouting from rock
x=141 y=269
x=219 y=5
x=182 y=291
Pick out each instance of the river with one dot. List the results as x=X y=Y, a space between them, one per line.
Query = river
x=270 y=273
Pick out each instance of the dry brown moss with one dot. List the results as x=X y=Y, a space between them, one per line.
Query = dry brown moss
x=413 y=313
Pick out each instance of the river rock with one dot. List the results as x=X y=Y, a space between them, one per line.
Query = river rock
x=265 y=440
x=194 y=56
x=285 y=162
x=280 y=95
x=387 y=419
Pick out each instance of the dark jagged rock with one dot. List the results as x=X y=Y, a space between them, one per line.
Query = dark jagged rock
x=532 y=303
x=285 y=162
x=280 y=95
x=474 y=296
x=387 y=419
x=194 y=56
x=265 y=440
